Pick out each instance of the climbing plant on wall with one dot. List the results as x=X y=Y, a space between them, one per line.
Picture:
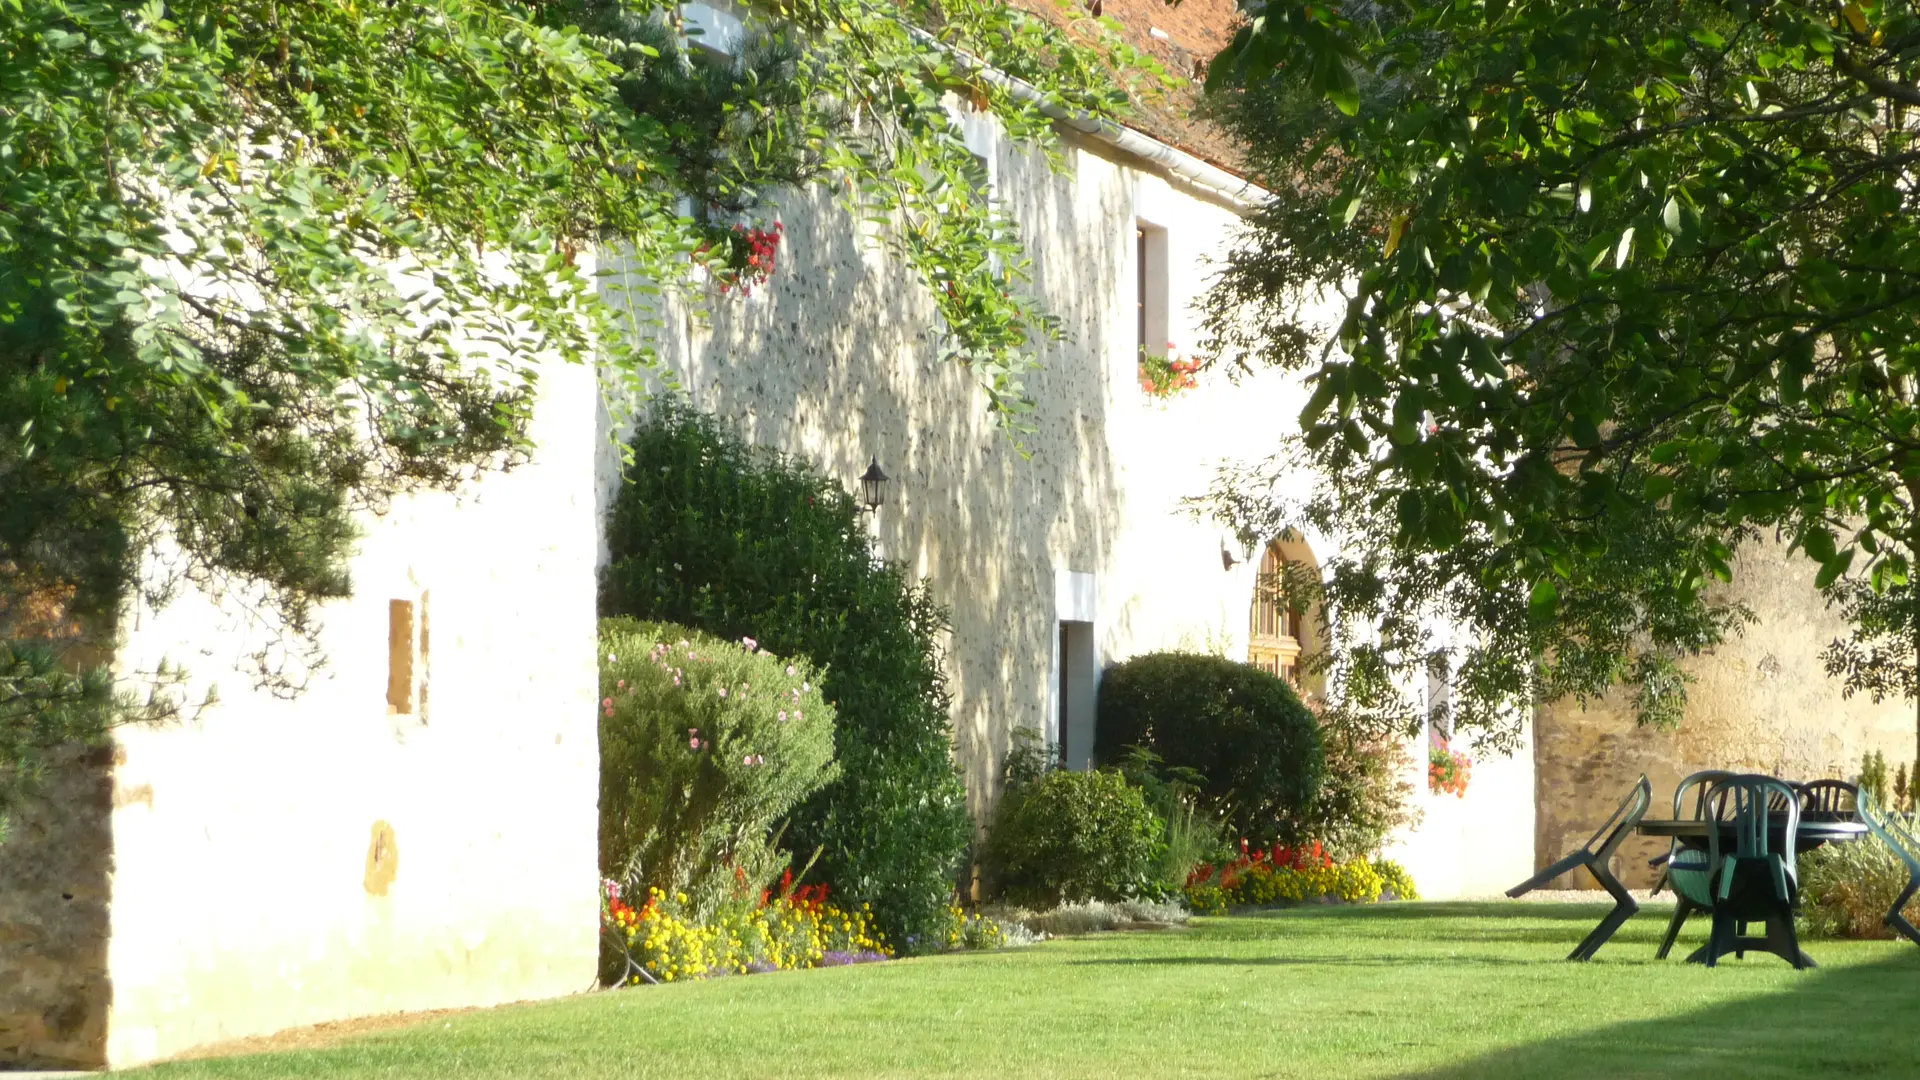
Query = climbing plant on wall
x=264 y=266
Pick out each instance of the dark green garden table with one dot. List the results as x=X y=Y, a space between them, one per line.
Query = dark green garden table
x=1813 y=833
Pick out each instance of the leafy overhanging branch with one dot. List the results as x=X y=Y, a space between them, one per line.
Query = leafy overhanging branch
x=264 y=266
x=1627 y=286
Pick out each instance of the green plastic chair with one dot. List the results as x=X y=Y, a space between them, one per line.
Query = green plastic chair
x=1595 y=855
x=1893 y=833
x=1689 y=869
x=1754 y=882
x=1829 y=800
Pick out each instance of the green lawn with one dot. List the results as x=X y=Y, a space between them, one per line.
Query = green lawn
x=1400 y=990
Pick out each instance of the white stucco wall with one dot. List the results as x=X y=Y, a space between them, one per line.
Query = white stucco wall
x=836 y=361
x=242 y=899
x=1473 y=845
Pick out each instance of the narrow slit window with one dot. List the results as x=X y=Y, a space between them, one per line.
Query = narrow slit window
x=400 y=657
x=1150 y=289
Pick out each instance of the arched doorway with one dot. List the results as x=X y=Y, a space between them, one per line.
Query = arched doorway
x=1280 y=620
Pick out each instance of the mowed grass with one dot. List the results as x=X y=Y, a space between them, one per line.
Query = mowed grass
x=1435 y=990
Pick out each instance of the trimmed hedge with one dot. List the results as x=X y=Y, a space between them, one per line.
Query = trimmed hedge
x=1073 y=836
x=1254 y=746
x=740 y=541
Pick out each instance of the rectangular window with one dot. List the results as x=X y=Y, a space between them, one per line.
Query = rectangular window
x=1079 y=667
x=400 y=657
x=407 y=665
x=1150 y=288
x=1439 y=700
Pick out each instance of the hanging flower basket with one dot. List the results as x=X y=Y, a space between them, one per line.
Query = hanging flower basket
x=1165 y=376
x=1447 y=770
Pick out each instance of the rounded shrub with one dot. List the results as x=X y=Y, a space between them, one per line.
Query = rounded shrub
x=1252 y=744
x=1073 y=836
x=705 y=745
x=735 y=540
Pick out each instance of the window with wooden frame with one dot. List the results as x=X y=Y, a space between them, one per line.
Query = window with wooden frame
x=1276 y=621
x=1150 y=289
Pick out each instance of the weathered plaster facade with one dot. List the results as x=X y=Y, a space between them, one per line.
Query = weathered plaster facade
x=278 y=861
x=836 y=361
x=54 y=909
x=1761 y=702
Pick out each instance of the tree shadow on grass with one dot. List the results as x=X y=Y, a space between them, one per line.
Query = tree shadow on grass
x=1849 y=1021
x=1311 y=961
x=1455 y=909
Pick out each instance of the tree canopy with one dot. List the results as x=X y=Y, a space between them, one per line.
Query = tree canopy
x=1626 y=285
x=267 y=265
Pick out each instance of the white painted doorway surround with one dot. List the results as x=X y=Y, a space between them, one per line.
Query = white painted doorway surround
x=1075 y=669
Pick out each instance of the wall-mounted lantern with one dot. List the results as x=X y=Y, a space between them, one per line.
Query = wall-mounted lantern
x=1226 y=558
x=873 y=486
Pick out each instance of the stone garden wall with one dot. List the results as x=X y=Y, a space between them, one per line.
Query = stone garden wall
x=1762 y=703
x=55 y=874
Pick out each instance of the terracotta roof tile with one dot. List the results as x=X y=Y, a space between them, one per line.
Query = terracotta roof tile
x=1188 y=35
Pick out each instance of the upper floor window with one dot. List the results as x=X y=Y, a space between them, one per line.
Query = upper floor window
x=1150 y=288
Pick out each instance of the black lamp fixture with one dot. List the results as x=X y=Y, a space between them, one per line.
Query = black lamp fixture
x=1227 y=559
x=873 y=486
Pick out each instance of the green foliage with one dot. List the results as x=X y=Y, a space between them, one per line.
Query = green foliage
x=1873 y=776
x=1242 y=732
x=1190 y=836
x=44 y=705
x=1073 y=836
x=710 y=533
x=1624 y=288
x=1096 y=916
x=266 y=266
x=1395 y=879
x=1846 y=890
x=979 y=930
x=1362 y=796
x=705 y=745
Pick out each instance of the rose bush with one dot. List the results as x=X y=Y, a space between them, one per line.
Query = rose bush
x=704 y=746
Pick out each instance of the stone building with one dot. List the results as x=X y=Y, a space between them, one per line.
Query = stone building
x=1085 y=552
x=415 y=830
x=1761 y=702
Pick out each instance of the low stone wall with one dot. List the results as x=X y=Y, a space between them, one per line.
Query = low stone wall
x=1760 y=703
x=55 y=873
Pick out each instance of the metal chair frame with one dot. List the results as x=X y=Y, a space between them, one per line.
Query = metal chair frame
x=1595 y=855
